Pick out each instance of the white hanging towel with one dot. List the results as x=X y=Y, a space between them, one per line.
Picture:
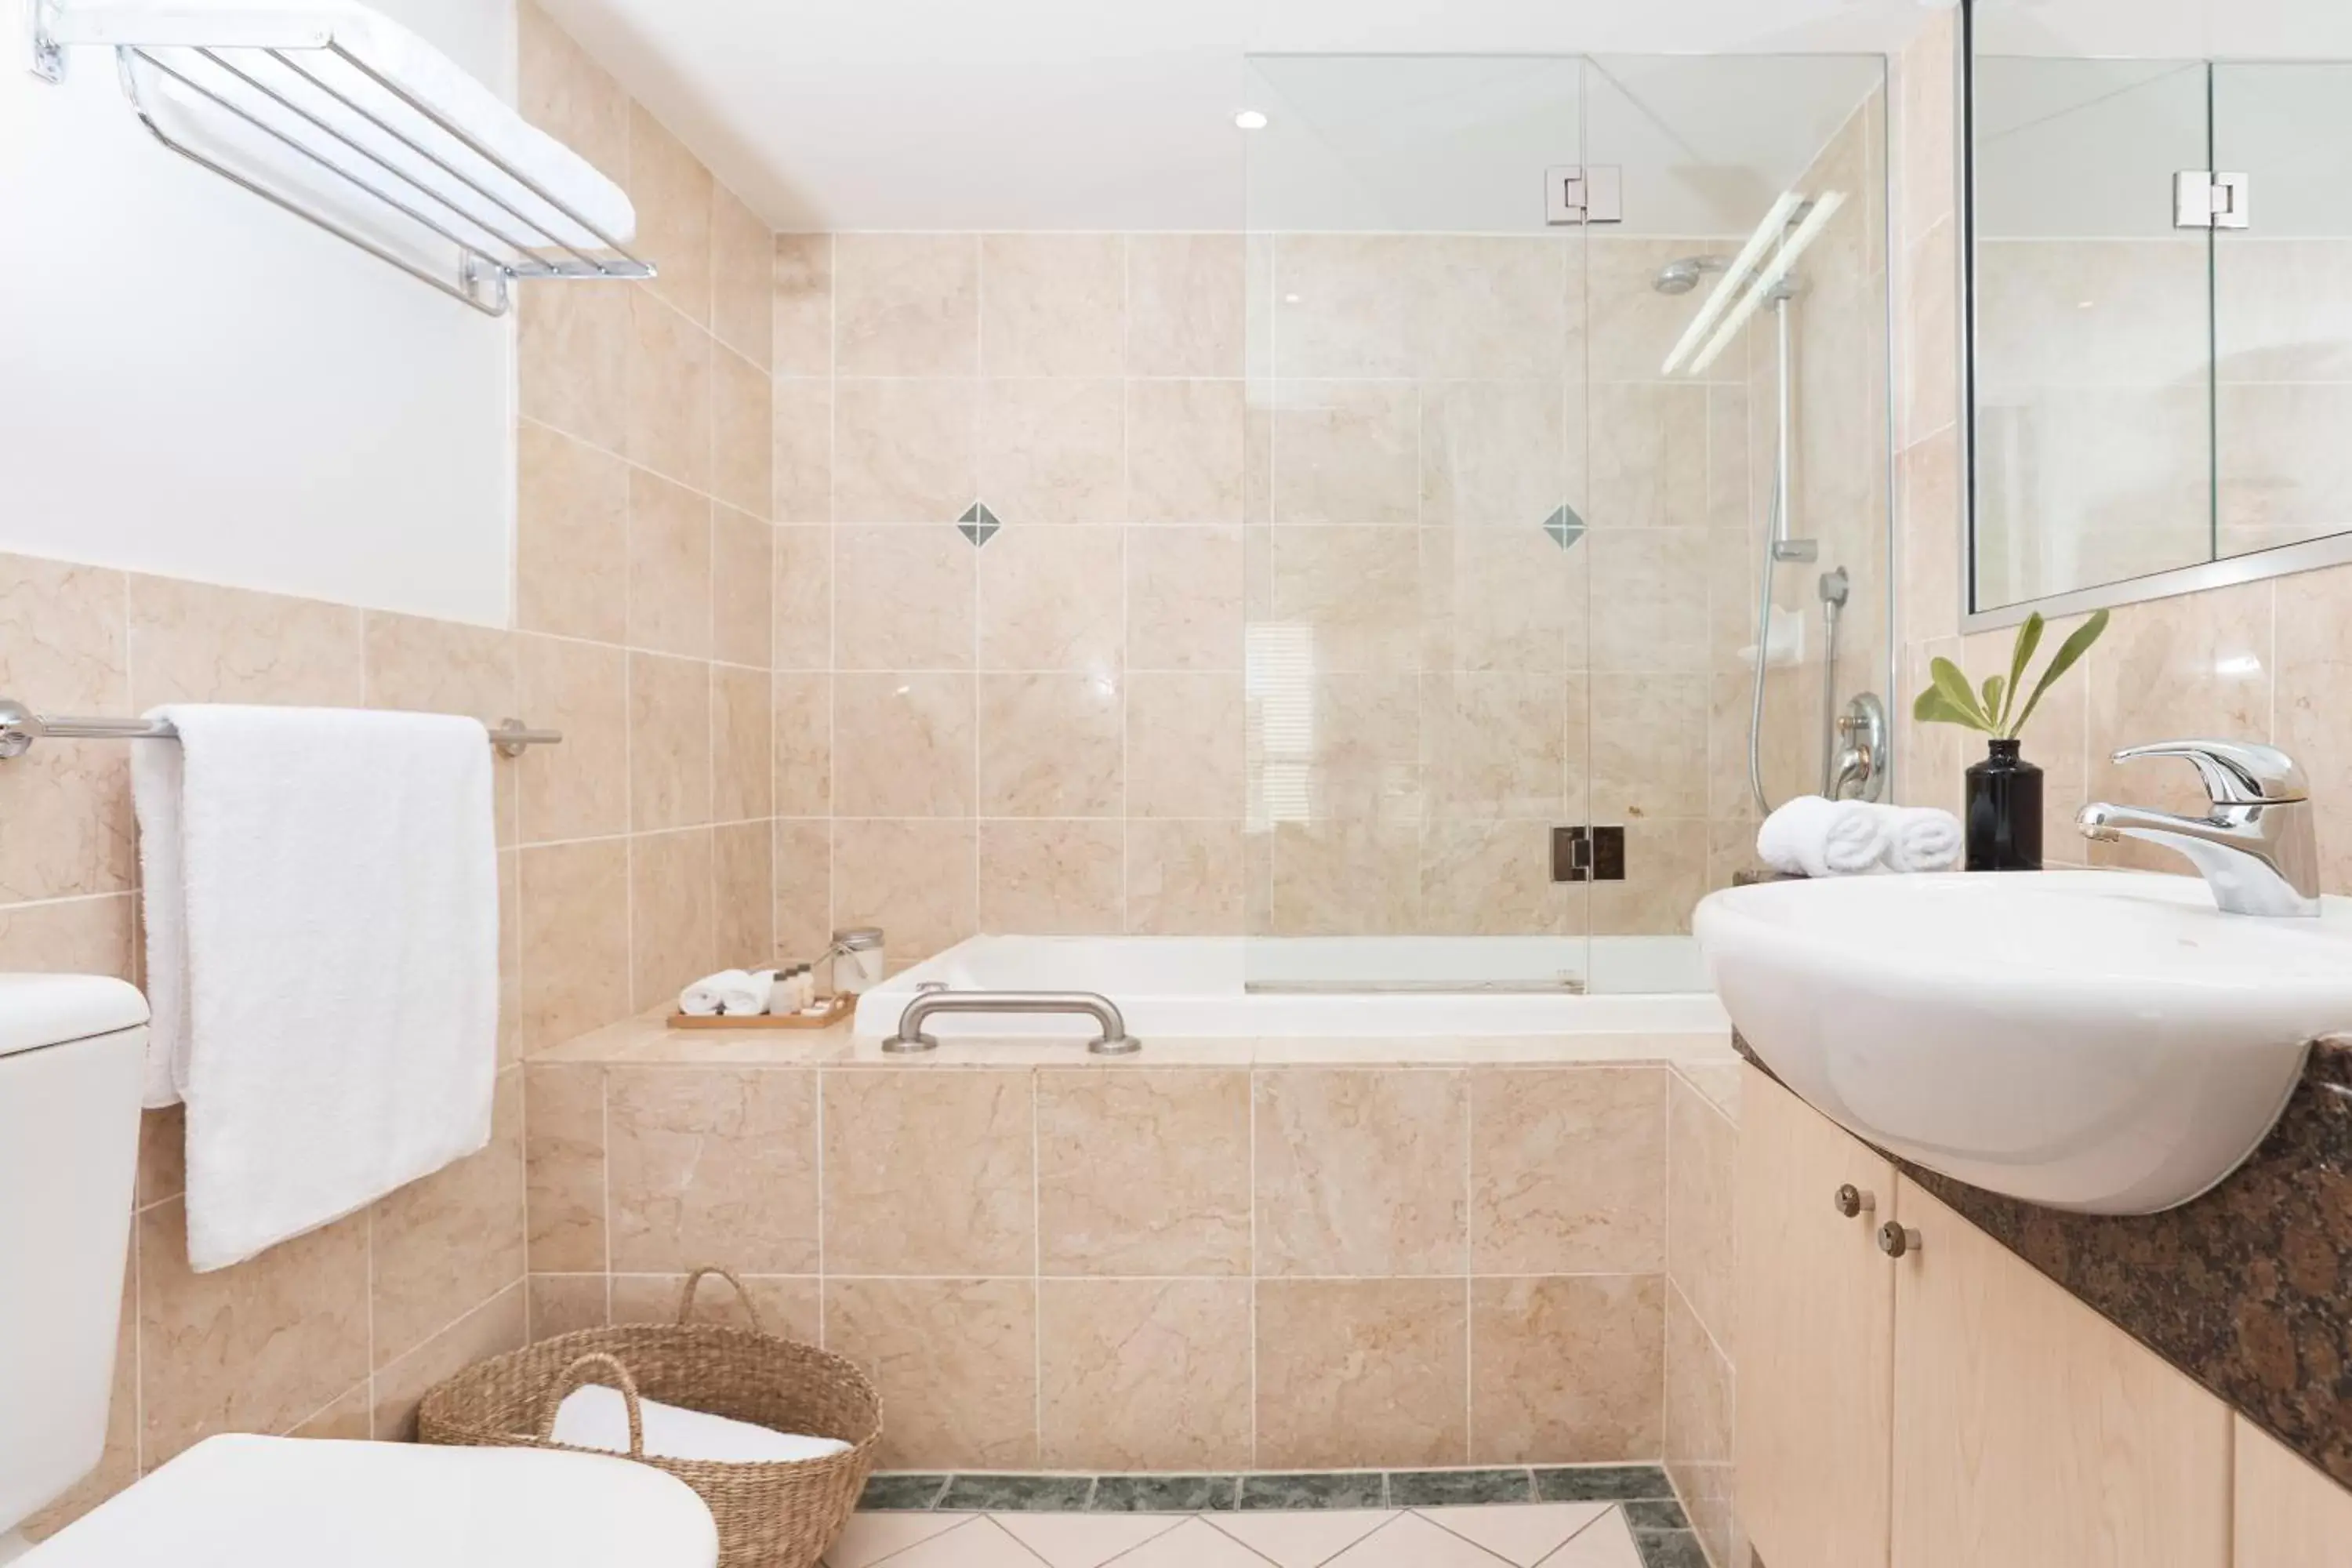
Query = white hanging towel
x=322 y=915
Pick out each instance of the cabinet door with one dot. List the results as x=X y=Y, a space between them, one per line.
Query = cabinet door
x=1815 y=1331
x=2289 y=1515
x=2032 y=1433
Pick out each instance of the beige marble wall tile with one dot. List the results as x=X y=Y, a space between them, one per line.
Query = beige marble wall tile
x=496 y=1327
x=1343 y=305
x=1346 y=877
x=802 y=458
x=903 y=599
x=1053 y=304
x=1930 y=546
x=1650 y=746
x=1360 y=1173
x=955 y=1359
x=669 y=567
x=742 y=278
x=1648 y=599
x=905 y=304
x=1493 y=878
x=672 y=193
x=1487 y=305
x=1186 y=304
x=1183 y=878
x=1052 y=599
x=1930 y=326
x=1495 y=598
x=787 y=1305
x=1665 y=875
x=1493 y=745
x=803 y=599
x=1185 y=746
x=913 y=879
x=713 y=1166
x=897 y=1142
x=1184 y=451
x=1699 y=1206
x=1052 y=878
x=576 y=939
x=904 y=451
x=1567 y=1370
x=669 y=743
x=65 y=806
x=668 y=392
x=1183 y=597
x=254 y=1348
x=564 y=91
x=445 y=1245
x=1361 y=1372
x=1649 y=456
x=1145 y=1375
x=742 y=433
x=566 y=1303
x=1049 y=746
x=803 y=304
x=743 y=889
x=1346 y=452
x=192 y=642
x=673 y=936
x=1356 y=590
x=162 y=1154
x=1494 y=454
x=742 y=738
x=573 y=354
x=1143 y=1173
x=1698 y=1433
x=804 y=883
x=572 y=536
x=2315 y=669
x=743 y=572
x=903 y=745
x=581 y=788
x=1053 y=450
x=804 y=745
x=2199 y=664
x=563 y=1145
x=1568 y=1171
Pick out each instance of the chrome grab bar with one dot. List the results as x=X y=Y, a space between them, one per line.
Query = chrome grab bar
x=1114 y=1040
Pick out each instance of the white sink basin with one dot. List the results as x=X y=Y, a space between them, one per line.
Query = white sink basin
x=2093 y=1040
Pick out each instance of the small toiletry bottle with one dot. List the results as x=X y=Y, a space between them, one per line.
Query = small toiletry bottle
x=803 y=988
x=857 y=960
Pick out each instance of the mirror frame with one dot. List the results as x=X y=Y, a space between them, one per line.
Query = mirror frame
x=2224 y=572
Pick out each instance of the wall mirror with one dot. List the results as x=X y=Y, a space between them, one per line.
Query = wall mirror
x=2158 y=233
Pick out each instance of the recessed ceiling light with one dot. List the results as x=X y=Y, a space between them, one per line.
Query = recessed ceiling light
x=1251 y=120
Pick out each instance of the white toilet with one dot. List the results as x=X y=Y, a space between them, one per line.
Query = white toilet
x=70 y=1050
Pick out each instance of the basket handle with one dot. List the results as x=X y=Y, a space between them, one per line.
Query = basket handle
x=686 y=1297
x=575 y=1374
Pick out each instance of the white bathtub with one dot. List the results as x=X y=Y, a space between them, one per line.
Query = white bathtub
x=1208 y=988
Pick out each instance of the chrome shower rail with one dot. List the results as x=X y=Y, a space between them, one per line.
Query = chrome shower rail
x=1113 y=1041
x=20 y=727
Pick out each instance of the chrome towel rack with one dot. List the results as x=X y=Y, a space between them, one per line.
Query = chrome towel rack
x=20 y=727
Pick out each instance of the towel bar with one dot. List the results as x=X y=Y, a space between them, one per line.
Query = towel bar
x=20 y=727
x=1114 y=1040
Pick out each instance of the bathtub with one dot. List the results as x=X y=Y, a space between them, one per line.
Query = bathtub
x=1210 y=988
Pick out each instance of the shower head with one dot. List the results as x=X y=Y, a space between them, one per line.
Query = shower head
x=1682 y=275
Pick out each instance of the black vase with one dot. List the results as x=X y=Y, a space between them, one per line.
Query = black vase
x=2004 y=821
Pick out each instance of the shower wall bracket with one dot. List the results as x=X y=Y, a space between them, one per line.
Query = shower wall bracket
x=1576 y=193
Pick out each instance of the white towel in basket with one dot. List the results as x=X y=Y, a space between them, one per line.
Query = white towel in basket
x=594 y=1417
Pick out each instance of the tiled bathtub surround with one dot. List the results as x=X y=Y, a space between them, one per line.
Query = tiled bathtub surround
x=1185 y=1267
x=631 y=857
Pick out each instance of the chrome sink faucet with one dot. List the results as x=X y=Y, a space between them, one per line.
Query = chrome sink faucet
x=2255 y=848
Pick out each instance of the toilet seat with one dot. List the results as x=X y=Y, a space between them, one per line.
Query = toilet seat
x=241 y=1501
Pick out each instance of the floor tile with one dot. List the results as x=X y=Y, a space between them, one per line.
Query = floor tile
x=975 y=1543
x=871 y=1537
x=1304 y=1540
x=1083 y=1539
x=1602 y=1483
x=902 y=1491
x=1018 y=1494
x=1525 y=1534
x=1163 y=1494
x=1657 y=1513
x=1603 y=1543
x=1349 y=1488
x=1670 y=1549
x=1194 y=1543
x=1410 y=1540
x=1450 y=1489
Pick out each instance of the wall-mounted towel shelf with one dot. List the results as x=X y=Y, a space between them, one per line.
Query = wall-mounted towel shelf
x=351 y=122
x=20 y=727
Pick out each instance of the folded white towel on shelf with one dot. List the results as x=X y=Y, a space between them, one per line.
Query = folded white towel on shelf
x=1811 y=836
x=730 y=994
x=594 y=1417
x=1923 y=839
x=322 y=907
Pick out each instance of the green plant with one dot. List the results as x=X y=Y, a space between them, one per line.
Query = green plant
x=1993 y=711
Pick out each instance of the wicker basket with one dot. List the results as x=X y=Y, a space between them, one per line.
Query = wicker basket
x=771 y=1515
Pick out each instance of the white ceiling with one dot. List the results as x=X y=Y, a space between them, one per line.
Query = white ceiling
x=1092 y=114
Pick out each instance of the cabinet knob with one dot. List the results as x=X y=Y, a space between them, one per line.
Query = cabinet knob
x=1852 y=1201
x=1896 y=1241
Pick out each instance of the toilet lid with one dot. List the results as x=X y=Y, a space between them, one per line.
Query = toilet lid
x=290 y=1502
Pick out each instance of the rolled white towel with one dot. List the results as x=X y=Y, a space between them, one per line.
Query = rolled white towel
x=1811 y=836
x=1923 y=839
x=730 y=993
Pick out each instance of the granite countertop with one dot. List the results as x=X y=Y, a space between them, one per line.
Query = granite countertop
x=2247 y=1289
